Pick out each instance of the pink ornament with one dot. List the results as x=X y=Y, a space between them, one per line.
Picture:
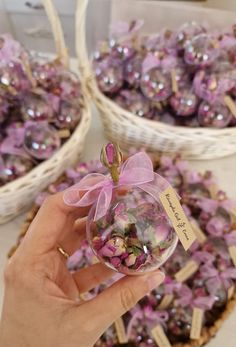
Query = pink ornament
x=69 y=115
x=156 y=85
x=215 y=116
x=109 y=75
x=201 y=51
x=184 y=102
x=127 y=227
x=41 y=141
x=35 y=107
x=12 y=167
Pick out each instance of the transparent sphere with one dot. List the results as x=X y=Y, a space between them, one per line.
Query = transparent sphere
x=13 y=78
x=135 y=235
x=109 y=76
x=184 y=103
x=215 y=116
x=68 y=116
x=13 y=166
x=202 y=50
x=41 y=141
x=186 y=32
x=156 y=85
x=121 y=50
x=36 y=107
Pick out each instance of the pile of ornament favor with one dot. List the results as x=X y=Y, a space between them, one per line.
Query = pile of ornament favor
x=202 y=278
x=40 y=106
x=183 y=77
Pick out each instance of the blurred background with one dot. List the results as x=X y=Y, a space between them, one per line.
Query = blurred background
x=26 y=20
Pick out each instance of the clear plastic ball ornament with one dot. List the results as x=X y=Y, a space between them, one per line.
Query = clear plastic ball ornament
x=135 y=102
x=109 y=75
x=214 y=115
x=13 y=166
x=184 y=102
x=186 y=32
x=41 y=141
x=13 y=78
x=121 y=50
x=35 y=107
x=135 y=235
x=156 y=85
x=68 y=116
x=201 y=51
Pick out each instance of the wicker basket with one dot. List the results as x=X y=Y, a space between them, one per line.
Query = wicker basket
x=17 y=196
x=129 y=130
x=207 y=332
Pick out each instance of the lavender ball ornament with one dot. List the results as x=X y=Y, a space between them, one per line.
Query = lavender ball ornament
x=135 y=102
x=109 y=75
x=156 y=85
x=13 y=166
x=214 y=116
x=186 y=32
x=69 y=115
x=127 y=227
x=41 y=141
x=184 y=102
x=35 y=107
x=13 y=79
x=201 y=51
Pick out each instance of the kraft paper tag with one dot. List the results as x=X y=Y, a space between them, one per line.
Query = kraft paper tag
x=120 y=330
x=64 y=133
x=232 y=252
x=166 y=301
x=230 y=292
x=213 y=189
x=175 y=87
x=95 y=260
x=201 y=237
x=179 y=220
x=160 y=337
x=187 y=271
x=196 y=326
x=230 y=104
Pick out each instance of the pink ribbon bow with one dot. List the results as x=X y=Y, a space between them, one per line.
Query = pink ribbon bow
x=203 y=257
x=149 y=315
x=137 y=171
x=170 y=285
x=186 y=298
x=210 y=206
x=215 y=279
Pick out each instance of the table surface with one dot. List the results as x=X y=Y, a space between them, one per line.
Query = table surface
x=224 y=170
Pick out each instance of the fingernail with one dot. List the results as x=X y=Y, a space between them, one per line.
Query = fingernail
x=155 y=279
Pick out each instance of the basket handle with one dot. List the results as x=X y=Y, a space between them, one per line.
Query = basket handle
x=81 y=48
x=57 y=31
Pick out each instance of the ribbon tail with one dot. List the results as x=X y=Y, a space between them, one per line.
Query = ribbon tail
x=103 y=202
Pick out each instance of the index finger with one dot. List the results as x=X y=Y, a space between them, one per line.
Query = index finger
x=53 y=220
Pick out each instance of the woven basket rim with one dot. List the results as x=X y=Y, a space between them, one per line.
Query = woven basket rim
x=158 y=124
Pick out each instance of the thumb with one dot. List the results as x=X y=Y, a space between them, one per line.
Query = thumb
x=119 y=298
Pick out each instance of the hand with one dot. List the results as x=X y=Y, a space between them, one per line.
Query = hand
x=41 y=306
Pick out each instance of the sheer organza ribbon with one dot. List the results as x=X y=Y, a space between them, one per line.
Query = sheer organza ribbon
x=137 y=171
x=216 y=279
x=151 y=317
x=186 y=298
